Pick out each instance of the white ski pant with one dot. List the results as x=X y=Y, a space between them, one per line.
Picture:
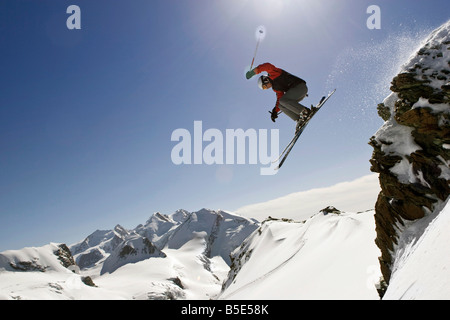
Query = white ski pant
x=289 y=103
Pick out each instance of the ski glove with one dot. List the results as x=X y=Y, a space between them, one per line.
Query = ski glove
x=274 y=114
x=250 y=74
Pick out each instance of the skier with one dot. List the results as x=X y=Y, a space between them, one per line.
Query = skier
x=290 y=90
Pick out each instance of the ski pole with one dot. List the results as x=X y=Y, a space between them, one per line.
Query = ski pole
x=261 y=33
x=277 y=113
x=254 y=56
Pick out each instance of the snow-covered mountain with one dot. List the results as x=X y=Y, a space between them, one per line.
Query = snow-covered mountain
x=197 y=255
x=177 y=256
x=222 y=231
x=331 y=255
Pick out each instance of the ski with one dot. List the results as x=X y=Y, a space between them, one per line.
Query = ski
x=284 y=151
x=291 y=144
x=294 y=139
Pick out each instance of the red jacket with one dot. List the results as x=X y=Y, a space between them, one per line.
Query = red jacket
x=282 y=81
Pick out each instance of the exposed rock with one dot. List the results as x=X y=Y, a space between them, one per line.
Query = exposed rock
x=330 y=209
x=409 y=88
x=177 y=281
x=89 y=258
x=88 y=281
x=384 y=112
x=28 y=266
x=411 y=152
x=64 y=255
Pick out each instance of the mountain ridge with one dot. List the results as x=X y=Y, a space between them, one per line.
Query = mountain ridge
x=161 y=230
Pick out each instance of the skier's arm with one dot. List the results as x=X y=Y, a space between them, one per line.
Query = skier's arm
x=269 y=68
x=280 y=94
x=273 y=71
x=276 y=109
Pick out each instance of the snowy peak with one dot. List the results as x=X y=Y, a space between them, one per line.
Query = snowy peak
x=104 y=238
x=120 y=231
x=97 y=246
x=222 y=233
x=159 y=227
x=196 y=224
x=134 y=249
x=179 y=215
x=160 y=217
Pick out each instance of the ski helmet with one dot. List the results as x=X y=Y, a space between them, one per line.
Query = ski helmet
x=263 y=80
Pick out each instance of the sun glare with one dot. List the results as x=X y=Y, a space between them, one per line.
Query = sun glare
x=271 y=8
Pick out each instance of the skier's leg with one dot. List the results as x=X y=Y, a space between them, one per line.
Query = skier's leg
x=292 y=98
x=297 y=93
x=294 y=116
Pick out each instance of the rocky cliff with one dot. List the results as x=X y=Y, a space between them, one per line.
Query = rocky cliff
x=412 y=148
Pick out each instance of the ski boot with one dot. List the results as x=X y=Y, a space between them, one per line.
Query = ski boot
x=303 y=116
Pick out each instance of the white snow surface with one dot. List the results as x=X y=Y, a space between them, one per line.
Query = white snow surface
x=329 y=256
x=422 y=265
x=436 y=57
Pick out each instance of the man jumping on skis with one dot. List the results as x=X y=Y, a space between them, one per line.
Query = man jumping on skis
x=290 y=91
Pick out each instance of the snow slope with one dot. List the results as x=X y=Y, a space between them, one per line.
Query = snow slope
x=329 y=256
x=289 y=260
x=47 y=278
x=185 y=273
x=422 y=268
x=34 y=259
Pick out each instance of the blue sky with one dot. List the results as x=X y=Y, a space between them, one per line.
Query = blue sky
x=86 y=116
